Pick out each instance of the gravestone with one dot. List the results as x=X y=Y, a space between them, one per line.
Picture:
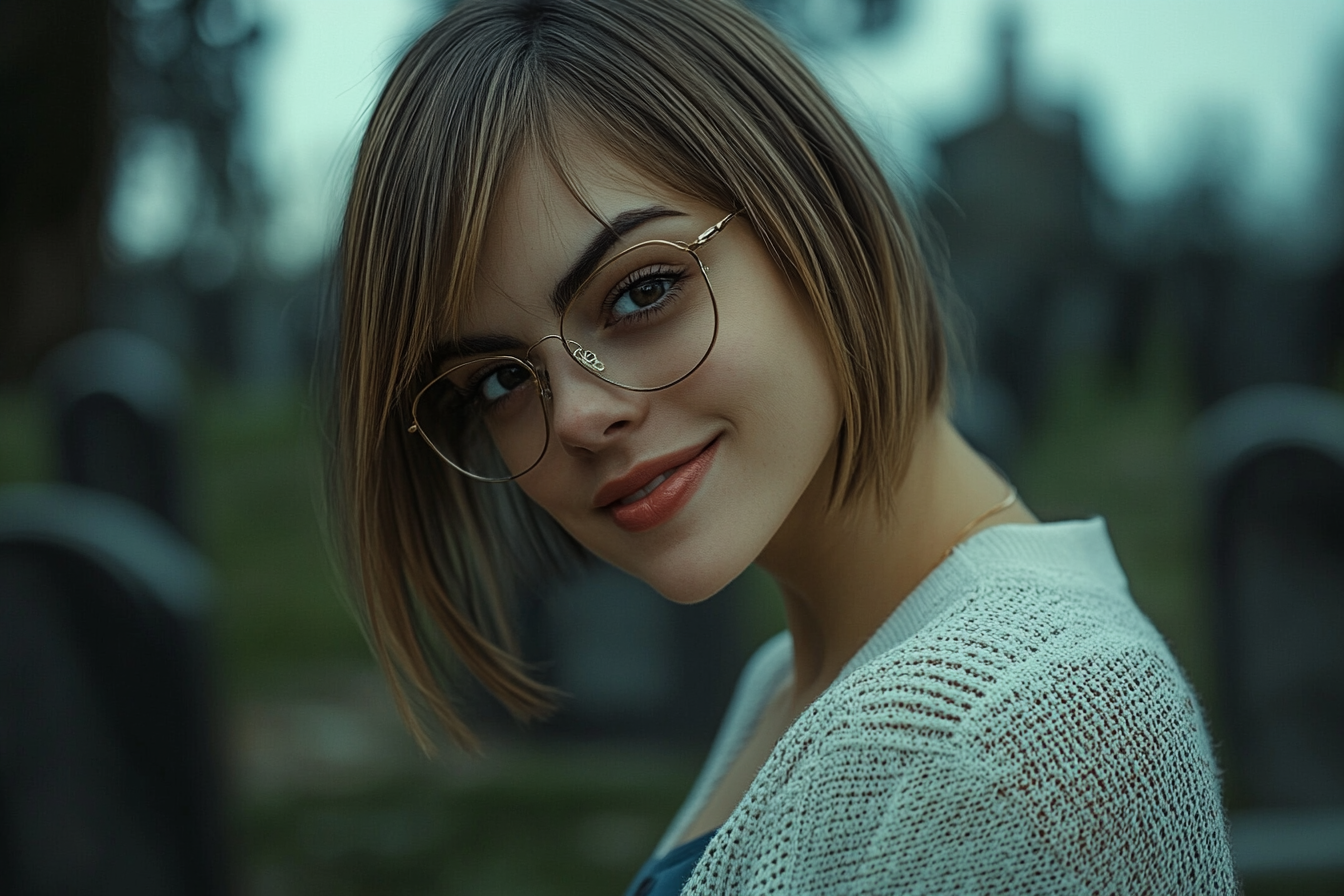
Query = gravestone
x=116 y=399
x=632 y=664
x=1273 y=464
x=1017 y=207
x=109 y=767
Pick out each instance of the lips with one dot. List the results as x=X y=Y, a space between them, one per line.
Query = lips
x=653 y=492
x=657 y=481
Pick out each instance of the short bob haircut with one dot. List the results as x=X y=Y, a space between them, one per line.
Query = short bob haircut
x=700 y=96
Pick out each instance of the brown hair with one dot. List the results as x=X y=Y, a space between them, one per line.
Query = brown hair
x=701 y=96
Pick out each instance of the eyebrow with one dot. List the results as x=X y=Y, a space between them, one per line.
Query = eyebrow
x=582 y=268
x=599 y=246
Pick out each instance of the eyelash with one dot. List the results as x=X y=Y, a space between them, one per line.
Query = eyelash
x=473 y=390
x=676 y=276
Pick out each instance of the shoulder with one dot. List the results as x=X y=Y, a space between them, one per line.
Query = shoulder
x=1032 y=658
x=1021 y=613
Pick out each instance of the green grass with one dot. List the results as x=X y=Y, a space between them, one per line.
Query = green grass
x=27 y=452
x=559 y=821
x=257 y=485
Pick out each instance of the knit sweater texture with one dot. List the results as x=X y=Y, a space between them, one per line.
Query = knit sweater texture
x=1016 y=726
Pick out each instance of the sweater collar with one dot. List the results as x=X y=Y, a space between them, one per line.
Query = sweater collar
x=1076 y=546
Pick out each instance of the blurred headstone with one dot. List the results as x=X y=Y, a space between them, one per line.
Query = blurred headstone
x=1133 y=303
x=1017 y=214
x=1275 y=328
x=1273 y=464
x=109 y=771
x=986 y=415
x=116 y=399
x=633 y=664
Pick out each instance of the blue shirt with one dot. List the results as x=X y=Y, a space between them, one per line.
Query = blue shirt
x=667 y=875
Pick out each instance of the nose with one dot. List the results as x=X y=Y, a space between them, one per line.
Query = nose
x=588 y=413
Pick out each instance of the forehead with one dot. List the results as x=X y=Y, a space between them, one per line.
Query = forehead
x=537 y=227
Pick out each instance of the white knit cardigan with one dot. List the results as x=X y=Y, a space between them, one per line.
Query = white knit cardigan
x=1016 y=726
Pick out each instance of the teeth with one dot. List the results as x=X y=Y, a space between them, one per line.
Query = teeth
x=653 y=484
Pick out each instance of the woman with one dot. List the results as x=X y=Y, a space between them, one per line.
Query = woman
x=618 y=273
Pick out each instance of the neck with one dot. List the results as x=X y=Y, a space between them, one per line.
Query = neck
x=842 y=574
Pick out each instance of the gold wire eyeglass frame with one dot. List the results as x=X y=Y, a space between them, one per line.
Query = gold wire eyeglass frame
x=584 y=357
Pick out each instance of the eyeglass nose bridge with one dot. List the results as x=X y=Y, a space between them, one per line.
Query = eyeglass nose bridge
x=585 y=357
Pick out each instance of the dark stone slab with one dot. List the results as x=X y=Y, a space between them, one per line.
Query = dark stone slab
x=109 y=763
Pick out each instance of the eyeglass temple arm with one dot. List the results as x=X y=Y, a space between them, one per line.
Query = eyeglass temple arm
x=711 y=231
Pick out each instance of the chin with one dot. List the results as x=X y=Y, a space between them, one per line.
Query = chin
x=687 y=575
x=692 y=589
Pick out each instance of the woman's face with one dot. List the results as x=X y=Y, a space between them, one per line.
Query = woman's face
x=738 y=441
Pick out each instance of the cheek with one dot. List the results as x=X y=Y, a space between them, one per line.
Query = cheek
x=756 y=346
x=771 y=378
x=780 y=363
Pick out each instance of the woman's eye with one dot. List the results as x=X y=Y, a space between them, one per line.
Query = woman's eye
x=641 y=296
x=499 y=382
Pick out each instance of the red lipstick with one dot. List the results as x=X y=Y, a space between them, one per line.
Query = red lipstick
x=680 y=475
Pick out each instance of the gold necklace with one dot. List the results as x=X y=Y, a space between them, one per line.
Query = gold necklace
x=966 y=530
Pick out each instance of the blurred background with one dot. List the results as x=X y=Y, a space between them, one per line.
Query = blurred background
x=1143 y=204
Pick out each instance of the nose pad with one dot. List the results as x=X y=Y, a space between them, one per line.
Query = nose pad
x=544 y=379
x=587 y=357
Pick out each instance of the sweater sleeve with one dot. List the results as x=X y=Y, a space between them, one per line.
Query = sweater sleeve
x=1037 y=752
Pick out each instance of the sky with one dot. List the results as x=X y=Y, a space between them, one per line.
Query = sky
x=1152 y=79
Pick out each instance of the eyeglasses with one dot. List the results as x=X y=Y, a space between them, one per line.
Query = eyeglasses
x=644 y=320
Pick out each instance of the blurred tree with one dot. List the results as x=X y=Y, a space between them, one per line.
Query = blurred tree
x=1330 y=289
x=1332 y=180
x=97 y=96
x=821 y=21
x=831 y=21
x=54 y=102
x=185 y=200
